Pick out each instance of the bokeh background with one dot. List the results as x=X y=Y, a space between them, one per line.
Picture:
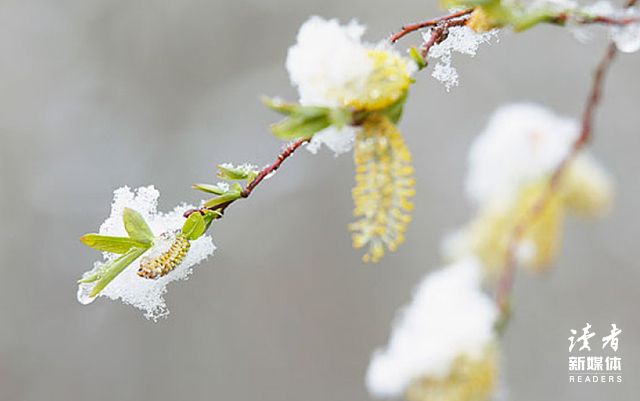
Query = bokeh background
x=99 y=94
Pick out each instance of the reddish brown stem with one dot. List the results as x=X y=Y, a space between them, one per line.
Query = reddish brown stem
x=286 y=152
x=505 y=283
x=439 y=33
x=407 y=29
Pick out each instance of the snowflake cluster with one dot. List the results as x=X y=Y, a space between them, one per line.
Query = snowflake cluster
x=461 y=40
x=146 y=294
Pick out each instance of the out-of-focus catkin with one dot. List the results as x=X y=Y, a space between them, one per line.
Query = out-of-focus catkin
x=468 y=379
x=384 y=185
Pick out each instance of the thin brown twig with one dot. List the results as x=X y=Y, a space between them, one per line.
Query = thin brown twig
x=600 y=20
x=284 y=154
x=439 y=33
x=407 y=29
x=464 y=15
x=505 y=283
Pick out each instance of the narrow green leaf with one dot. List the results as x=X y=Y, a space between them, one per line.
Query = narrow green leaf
x=135 y=225
x=288 y=109
x=108 y=243
x=415 y=55
x=209 y=188
x=92 y=277
x=115 y=267
x=339 y=117
x=394 y=111
x=232 y=173
x=194 y=226
x=227 y=197
x=209 y=216
x=295 y=127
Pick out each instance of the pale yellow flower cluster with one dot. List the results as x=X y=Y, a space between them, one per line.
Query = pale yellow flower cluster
x=384 y=185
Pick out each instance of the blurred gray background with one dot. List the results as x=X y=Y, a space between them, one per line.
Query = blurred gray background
x=98 y=94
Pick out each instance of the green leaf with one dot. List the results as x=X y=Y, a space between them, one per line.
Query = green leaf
x=135 y=225
x=523 y=21
x=209 y=216
x=108 y=243
x=415 y=55
x=194 y=226
x=339 y=117
x=208 y=188
x=113 y=268
x=288 y=109
x=296 y=126
x=227 y=197
x=394 y=111
x=233 y=173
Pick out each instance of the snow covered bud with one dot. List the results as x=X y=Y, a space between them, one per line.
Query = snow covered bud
x=340 y=79
x=443 y=345
x=225 y=192
x=468 y=379
x=332 y=67
x=144 y=250
x=510 y=166
x=384 y=186
x=482 y=21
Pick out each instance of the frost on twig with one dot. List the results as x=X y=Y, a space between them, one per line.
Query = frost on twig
x=461 y=40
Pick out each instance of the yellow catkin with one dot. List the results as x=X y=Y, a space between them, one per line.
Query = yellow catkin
x=387 y=83
x=480 y=21
x=490 y=233
x=160 y=266
x=384 y=185
x=469 y=379
x=587 y=188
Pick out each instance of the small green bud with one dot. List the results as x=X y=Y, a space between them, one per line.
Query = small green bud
x=415 y=55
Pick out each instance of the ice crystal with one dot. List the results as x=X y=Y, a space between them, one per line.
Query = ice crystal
x=461 y=40
x=449 y=318
x=142 y=293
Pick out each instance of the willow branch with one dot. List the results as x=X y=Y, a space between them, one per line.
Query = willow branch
x=407 y=29
x=439 y=33
x=284 y=155
x=505 y=283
